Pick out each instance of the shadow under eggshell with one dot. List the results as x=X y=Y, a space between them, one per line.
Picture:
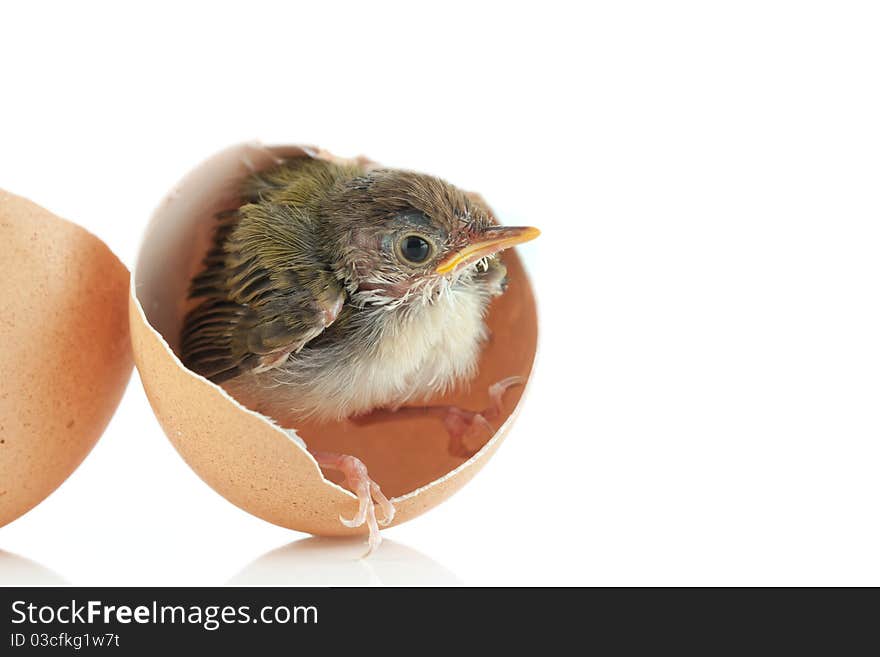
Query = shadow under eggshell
x=65 y=354
x=249 y=459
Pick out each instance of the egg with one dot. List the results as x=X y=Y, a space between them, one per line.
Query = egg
x=252 y=460
x=65 y=353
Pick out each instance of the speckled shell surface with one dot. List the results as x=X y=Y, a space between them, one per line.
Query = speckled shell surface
x=65 y=354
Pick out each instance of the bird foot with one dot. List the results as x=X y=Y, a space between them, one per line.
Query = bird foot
x=368 y=494
x=460 y=422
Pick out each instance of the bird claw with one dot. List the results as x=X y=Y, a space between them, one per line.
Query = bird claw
x=368 y=493
x=459 y=421
x=497 y=390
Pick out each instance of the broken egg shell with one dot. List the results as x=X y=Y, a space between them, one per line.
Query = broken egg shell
x=65 y=353
x=245 y=456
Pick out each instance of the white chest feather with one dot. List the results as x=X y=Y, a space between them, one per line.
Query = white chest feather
x=415 y=356
x=431 y=351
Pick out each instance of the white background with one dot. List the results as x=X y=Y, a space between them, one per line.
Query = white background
x=704 y=409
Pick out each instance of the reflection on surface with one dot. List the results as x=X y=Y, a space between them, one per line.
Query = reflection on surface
x=337 y=562
x=18 y=571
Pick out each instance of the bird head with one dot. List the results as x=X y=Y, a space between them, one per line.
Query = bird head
x=402 y=237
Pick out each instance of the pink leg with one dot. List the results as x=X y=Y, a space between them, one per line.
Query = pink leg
x=458 y=421
x=367 y=492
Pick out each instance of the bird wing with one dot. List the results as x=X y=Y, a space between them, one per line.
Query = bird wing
x=265 y=290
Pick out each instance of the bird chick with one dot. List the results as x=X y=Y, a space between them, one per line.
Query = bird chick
x=338 y=290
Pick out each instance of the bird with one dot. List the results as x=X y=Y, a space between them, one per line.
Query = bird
x=337 y=289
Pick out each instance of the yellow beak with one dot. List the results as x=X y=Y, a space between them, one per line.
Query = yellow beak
x=495 y=239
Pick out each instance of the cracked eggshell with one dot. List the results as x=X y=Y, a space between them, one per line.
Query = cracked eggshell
x=245 y=456
x=65 y=354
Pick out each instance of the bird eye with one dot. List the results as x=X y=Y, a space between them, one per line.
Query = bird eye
x=415 y=249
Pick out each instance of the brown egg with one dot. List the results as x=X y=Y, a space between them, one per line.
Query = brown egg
x=245 y=456
x=65 y=354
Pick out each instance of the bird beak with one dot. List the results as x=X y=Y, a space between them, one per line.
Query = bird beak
x=491 y=241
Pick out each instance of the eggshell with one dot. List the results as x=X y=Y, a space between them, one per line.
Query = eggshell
x=247 y=457
x=65 y=354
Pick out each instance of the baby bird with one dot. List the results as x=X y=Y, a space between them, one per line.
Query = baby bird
x=338 y=290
